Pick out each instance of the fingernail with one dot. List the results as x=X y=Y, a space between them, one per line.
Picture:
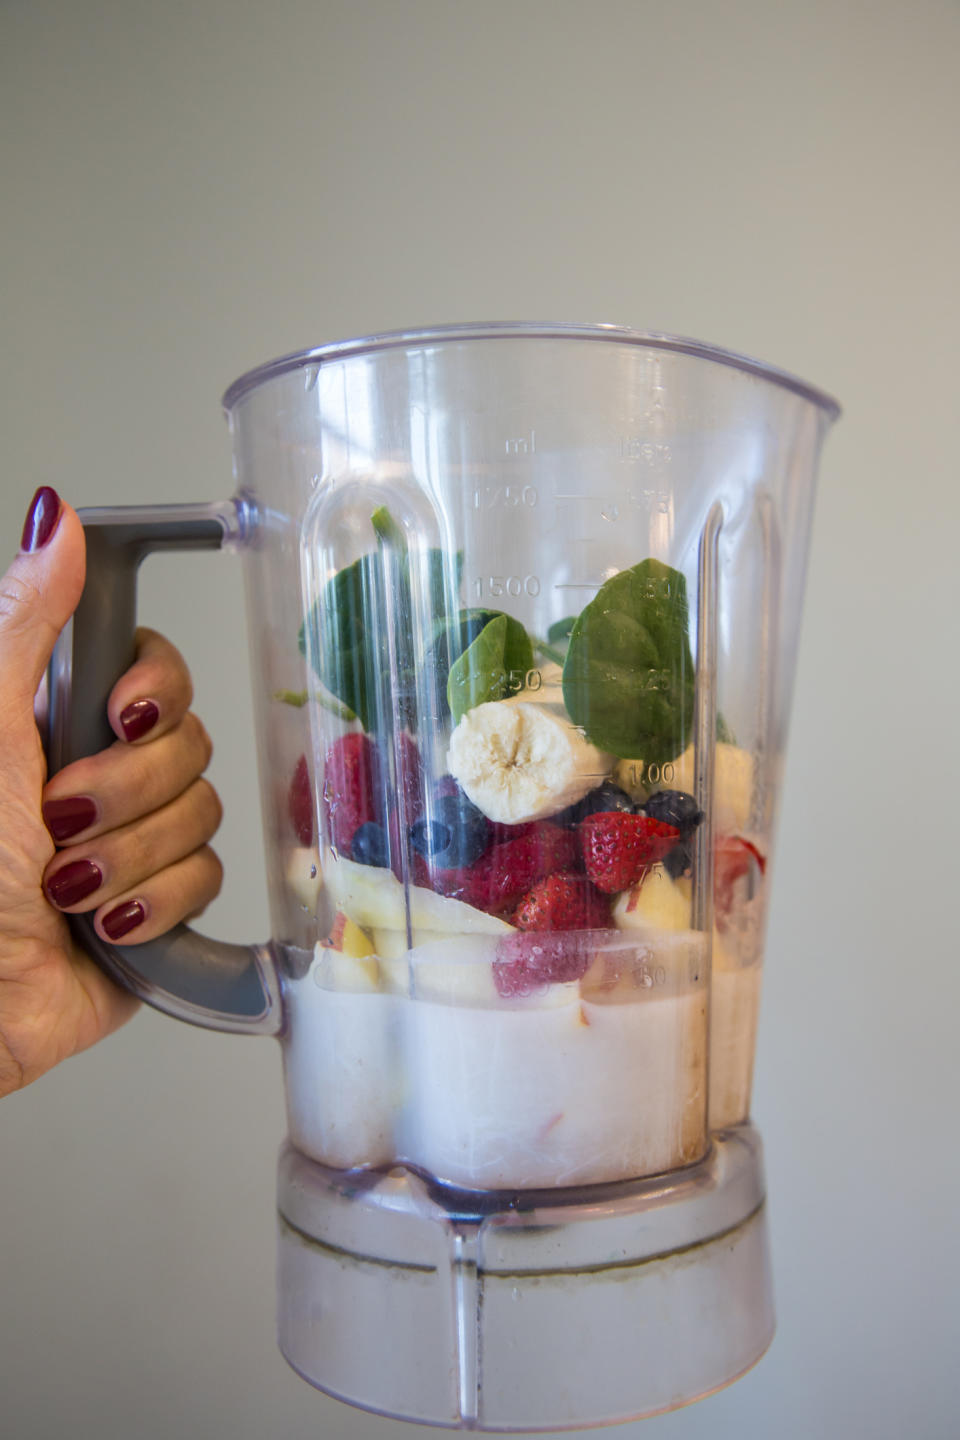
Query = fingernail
x=73 y=883
x=138 y=718
x=123 y=919
x=41 y=519
x=64 y=818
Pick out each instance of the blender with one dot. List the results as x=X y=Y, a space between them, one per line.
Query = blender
x=523 y=608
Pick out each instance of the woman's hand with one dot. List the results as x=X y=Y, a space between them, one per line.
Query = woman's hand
x=122 y=834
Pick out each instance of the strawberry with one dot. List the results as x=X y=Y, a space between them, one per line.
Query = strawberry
x=300 y=802
x=528 y=961
x=563 y=902
x=505 y=872
x=733 y=858
x=617 y=848
x=352 y=788
x=410 y=779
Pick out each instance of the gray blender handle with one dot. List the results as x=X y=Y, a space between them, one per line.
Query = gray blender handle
x=208 y=982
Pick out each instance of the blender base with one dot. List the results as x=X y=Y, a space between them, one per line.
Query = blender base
x=543 y=1310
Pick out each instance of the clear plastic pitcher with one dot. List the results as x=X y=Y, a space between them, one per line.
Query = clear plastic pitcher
x=523 y=606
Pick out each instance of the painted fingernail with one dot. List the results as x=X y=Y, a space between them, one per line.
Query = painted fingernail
x=123 y=919
x=64 y=818
x=138 y=718
x=73 y=883
x=41 y=519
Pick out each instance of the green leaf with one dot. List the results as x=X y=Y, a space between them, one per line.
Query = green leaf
x=561 y=629
x=337 y=636
x=628 y=678
x=494 y=665
x=345 y=635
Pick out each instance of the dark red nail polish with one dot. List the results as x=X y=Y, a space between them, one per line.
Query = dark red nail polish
x=41 y=519
x=138 y=718
x=64 y=818
x=73 y=883
x=123 y=919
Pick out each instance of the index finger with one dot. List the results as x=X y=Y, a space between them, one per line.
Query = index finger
x=154 y=694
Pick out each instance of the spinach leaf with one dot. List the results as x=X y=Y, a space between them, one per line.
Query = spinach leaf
x=492 y=666
x=341 y=640
x=345 y=636
x=628 y=678
x=561 y=629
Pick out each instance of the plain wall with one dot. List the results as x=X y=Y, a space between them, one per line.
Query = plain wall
x=191 y=188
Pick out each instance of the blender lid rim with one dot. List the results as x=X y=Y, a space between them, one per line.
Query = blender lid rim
x=492 y=329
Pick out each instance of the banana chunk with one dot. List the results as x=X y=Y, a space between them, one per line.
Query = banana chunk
x=521 y=759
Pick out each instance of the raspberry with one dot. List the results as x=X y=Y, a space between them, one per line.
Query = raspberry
x=617 y=847
x=563 y=902
x=300 y=802
x=527 y=962
x=505 y=872
x=352 y=788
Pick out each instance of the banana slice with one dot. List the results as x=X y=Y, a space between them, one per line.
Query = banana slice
x=521 y=759
x=373 y=898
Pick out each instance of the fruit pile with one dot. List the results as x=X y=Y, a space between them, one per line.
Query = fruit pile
x=551 y=879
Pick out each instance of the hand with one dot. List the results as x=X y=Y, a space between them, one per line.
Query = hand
x=123 y=833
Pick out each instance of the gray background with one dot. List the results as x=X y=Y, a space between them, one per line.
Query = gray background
x=190 y=188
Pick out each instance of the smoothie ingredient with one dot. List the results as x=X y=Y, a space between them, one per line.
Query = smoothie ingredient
x=521 y=759
x=734 y=859
x=505 y=873
x=346 y=639
x=300 y=802
x=733 y=783
x=352 y=788
x=674 y=807
x=375 y=899
x=617 y=848
x=370 y=845
x=628 y=677
x=456 y=834
x=528 y=962
x=494 y=665
x=606 y=797
x=656 y=900
x=563 y=902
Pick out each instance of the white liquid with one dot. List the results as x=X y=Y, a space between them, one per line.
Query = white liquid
x=735 y=1005
x=575 y=1085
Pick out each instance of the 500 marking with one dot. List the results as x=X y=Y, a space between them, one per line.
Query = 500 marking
x=497 y=585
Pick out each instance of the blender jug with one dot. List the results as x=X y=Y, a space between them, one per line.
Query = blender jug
x=523 y=607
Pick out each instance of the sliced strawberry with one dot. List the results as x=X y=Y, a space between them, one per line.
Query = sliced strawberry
x=300 y=802
x=352 y=788
x=733 y=858
x=505 y=872
x=563 y=902
x=528 y=961
x=617 y=847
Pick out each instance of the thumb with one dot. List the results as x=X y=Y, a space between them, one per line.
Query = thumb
x=39 y=593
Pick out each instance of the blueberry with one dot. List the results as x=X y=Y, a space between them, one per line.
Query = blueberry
x=679 y=860
x=370 y=845
x=674 y=807
x=605 y=798
x=455 y=834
